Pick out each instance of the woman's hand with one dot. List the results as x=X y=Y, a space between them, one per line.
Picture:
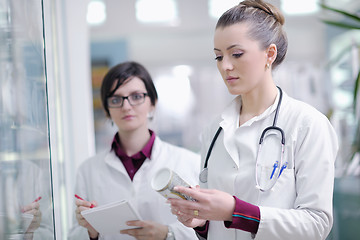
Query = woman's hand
x=33 y=209
x=210 y=204
x=147 y=230
x=191 y=222
x=81 y=206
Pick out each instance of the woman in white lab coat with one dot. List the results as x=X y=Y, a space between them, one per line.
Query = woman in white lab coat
x=283 y=191
x=126 y=169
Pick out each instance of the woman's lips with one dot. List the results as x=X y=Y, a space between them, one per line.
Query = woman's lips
x=231 y=79
x=128 y=117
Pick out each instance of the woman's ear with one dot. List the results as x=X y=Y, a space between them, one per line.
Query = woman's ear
x=151 y=113
x=271 y=53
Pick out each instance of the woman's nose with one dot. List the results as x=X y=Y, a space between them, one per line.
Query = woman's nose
x=126 y=104
x=226 y=64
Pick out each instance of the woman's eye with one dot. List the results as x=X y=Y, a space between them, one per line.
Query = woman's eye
x=218 y=58
x=136 y=96
x=115 y=100
x=237 y=55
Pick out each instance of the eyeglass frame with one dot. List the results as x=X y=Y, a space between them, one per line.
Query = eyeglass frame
x=127 y=98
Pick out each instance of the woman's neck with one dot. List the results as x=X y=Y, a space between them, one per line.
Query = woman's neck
x=256 y=102
x=134 y=141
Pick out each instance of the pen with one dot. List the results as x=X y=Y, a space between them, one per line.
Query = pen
x=274 y=168
x=78 y=197
x=282 y=168
x=36 y=200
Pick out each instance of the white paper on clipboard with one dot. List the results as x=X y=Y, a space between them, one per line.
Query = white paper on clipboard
x=111 y=218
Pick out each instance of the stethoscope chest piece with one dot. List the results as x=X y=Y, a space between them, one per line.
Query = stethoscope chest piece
x=203 y=177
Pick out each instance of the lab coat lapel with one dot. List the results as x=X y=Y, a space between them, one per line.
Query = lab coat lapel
x=113 y=161
x=229 y=124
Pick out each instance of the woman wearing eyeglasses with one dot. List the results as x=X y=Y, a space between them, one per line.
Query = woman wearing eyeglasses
x=268 y=159
x=136 y=153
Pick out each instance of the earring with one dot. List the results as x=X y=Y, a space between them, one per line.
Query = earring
x=150 y=115
x=267 y=66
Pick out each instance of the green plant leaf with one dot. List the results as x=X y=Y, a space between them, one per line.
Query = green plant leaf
x=337 y=57
x=356 y=88
x=342 y=25
x=347 y=14
x=356 y=142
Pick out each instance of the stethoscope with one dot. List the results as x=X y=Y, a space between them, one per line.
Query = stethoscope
x=277 y=170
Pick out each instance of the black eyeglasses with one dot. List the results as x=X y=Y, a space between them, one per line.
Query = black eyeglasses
x=133 y=99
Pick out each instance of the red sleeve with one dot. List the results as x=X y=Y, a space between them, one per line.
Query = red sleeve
x=202 y=231
x=246 y=217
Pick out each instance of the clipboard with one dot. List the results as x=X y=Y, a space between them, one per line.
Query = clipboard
x=111 y=218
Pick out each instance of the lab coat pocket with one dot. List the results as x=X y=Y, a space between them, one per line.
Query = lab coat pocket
x=270 y=161
x=283 y=193
x=266 y=176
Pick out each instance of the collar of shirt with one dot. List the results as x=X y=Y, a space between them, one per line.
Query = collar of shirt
x=231 y=114
x=143 y=154
x=230 y=124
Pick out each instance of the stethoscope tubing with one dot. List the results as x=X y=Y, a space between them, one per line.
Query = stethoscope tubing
x=211 y=146
x=277 y=167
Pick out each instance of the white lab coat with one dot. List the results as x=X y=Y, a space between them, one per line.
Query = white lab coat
x=300 y=204
x=104 y=179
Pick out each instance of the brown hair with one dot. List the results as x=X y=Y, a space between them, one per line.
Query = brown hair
x=265 y=23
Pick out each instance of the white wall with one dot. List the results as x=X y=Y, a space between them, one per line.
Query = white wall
x=70 y=101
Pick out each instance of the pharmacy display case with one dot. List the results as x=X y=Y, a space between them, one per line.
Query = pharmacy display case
x=25 y=162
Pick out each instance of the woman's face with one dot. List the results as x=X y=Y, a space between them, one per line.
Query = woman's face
x=240 y=59
x=131 y=118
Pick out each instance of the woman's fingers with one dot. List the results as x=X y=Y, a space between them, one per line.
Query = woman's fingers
x=78 y=210
x=187 y=208
x=83 y=205
x=31 y=207
x=183 y=207
x=210 y=204
x=192 y=192
x=79 y=203
x=147 y=230
x=185 y=213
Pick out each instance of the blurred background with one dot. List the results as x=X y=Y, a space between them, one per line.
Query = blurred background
x=54 y=54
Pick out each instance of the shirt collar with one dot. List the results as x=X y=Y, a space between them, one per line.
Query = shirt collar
x=231 y=114
x=146 y=151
